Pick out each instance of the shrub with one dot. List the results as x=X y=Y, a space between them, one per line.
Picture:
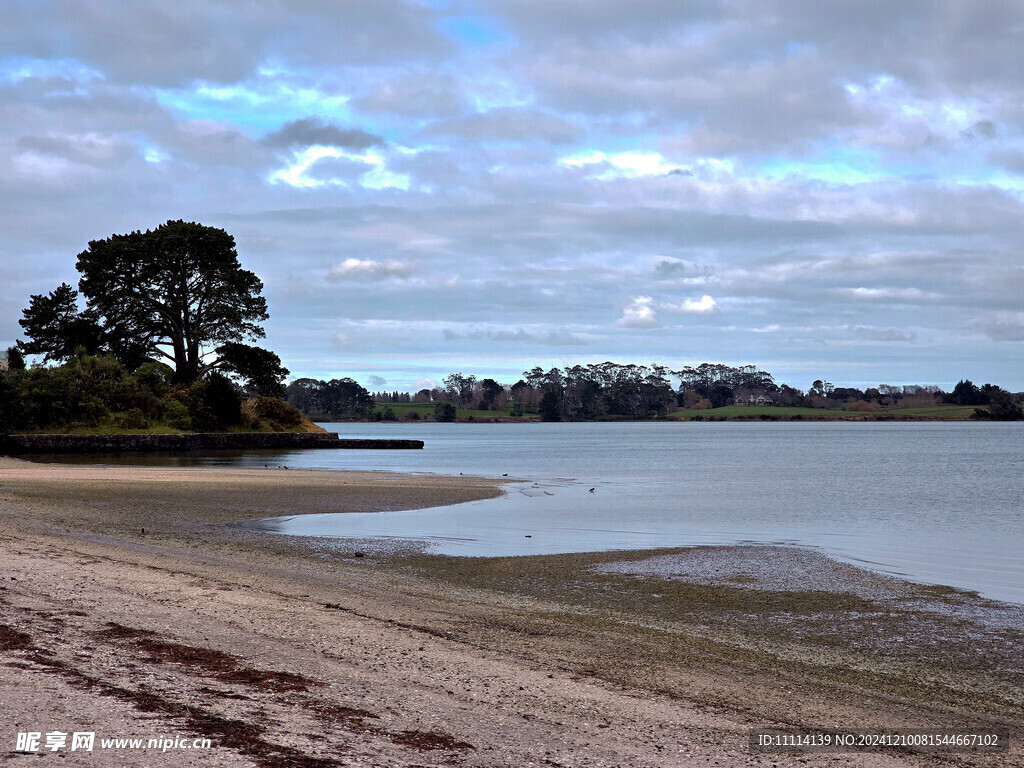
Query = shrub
x=213 y=403
x=10 y=401
x=444 y=412
x=222 y=400
x=175 y=415
x=1002 y=407
x=275 y=413
x=133 y=418
x=156 y=377
x=865 y=406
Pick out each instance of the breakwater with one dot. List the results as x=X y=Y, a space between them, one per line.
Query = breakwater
x=14 y=445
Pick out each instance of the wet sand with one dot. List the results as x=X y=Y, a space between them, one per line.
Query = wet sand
x=130 y=606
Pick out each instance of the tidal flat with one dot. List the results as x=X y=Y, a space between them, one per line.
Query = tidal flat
x=127 y=596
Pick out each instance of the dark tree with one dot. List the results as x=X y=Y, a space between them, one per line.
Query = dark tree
x=304 y=394
x=847 y=394
x=822 y=388
x=550 y=406
x=490 y=389
x=346 y=397
x=56 y=328
x=220 y=403
x=444 y=412
x=460 y=388
x=1002 y=406
x=177 y=292
x=325 y=400
x=15 y=360
x=966 y=392
x=260 y=369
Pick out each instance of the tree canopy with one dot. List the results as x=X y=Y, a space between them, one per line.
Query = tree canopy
x=335 y=399
x=56 y=328
x=176 y=293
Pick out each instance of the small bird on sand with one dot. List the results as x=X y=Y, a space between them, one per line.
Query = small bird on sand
x=591 y=490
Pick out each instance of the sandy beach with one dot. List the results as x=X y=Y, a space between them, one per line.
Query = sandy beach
x=131 y=606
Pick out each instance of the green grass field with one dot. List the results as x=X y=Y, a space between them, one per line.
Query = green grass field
x=943 y=412
x=757 y=411
x=427 y=409
x=107 y=429
x=767 y=412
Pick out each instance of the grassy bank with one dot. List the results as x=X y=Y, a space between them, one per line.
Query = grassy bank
x=420 y=411
x=110 y=428
x=783 y=412
x=425 y=411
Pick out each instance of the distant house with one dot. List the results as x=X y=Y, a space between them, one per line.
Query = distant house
x=751 y=400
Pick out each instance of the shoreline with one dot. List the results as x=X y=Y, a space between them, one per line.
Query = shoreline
x=127 y=443
x=852 y=416
x=399 y=657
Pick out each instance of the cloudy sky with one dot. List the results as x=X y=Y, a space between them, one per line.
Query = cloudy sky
x=824 y=189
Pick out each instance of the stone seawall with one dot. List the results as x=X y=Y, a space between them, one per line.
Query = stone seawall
x=200 y=441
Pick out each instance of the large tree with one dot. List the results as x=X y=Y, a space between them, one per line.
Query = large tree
x=176 y=293
x=178 y=288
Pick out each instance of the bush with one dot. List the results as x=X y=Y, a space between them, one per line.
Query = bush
x=865 y=406
x=222 y=401
x=444 y=412
x=175 y=415
x=213 y=403
x=276 y=413
x=96 y=391
x=10 y=401
x=133 y=418
x=1003 y=406
x=156 y=377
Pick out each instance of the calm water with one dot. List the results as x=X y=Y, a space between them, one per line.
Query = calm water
x=939 y=503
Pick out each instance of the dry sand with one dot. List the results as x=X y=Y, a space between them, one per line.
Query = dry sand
x=129 y=608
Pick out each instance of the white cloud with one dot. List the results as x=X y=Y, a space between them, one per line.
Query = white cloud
x=628 y=165
x=702 y=306
x=639 y=313
x=375 y=173
x=366 y=269
x=424 y=383
x=899 y=294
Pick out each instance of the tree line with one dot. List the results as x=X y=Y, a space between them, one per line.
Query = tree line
x=617 y=390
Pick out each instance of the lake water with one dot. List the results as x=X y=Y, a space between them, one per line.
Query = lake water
x=934 y=502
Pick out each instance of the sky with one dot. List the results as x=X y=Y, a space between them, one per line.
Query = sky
x=826 y=190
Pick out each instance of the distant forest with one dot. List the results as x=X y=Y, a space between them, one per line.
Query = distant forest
x=614 y=390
